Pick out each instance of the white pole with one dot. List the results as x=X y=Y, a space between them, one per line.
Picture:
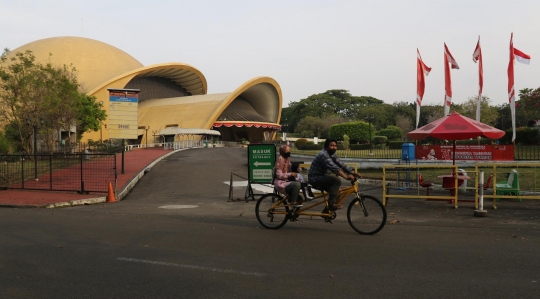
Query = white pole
x=481 y=186
x=481 y=212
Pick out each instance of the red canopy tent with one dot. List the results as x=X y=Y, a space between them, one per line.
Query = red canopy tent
x=454 y=127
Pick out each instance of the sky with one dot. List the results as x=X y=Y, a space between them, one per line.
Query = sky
x=307 y=46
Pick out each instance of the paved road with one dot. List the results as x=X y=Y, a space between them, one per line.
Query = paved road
x=138 y=249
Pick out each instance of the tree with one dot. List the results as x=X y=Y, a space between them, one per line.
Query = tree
x=44 y=98
x=504 y=121
x=4 y=144
x=313 y=126
x=404 y=123
x=334 y=102
x=488 y=114
x=89 y=115
x=528 y=106
x=288 y=120
x=405 y=109
x=430 y=113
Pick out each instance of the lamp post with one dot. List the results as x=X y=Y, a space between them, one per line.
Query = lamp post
x=35 y=153
x=34 y=135
x=100 y=130
x=154 y=134
x=146 y=129
x=370 y=118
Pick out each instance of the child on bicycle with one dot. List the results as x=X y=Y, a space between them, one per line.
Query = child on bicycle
x=306 y=190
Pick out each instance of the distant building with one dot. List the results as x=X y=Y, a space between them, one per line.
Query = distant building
x=172 y=94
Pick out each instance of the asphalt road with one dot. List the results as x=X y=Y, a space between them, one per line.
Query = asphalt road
x=147 y=247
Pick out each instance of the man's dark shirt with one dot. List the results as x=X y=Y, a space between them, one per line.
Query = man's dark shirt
x=323 y=163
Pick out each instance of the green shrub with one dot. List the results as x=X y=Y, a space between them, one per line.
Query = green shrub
x=525 y=136
x=528 y=136
x=356 y=131
x=345 y=142
x=301 y=142
x=379 y=140
x=392 y=132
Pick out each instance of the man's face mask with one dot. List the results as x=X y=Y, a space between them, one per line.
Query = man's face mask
x=287 y=155
x=331 y=151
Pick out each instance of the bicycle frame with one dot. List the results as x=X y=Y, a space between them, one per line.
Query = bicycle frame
x=342 y=194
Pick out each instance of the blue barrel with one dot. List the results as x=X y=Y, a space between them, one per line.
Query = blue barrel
x=407 y=151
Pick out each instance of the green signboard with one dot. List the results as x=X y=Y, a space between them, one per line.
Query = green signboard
x=261 y=160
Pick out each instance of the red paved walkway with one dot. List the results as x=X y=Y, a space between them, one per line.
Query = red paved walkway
x=134 y=162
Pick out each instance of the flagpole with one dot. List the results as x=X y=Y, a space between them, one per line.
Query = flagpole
x=449 y=61
x=515 y=54
x=477 y=57
x=511 y=92
x=422 y=71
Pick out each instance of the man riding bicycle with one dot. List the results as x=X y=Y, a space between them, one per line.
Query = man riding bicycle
x=328 y=161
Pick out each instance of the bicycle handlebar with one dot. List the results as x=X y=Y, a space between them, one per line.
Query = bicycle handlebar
x=356 y=177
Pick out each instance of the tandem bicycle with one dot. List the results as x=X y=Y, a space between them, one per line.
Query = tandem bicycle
x=365 y=213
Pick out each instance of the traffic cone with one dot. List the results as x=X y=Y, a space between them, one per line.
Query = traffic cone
x=110 y=196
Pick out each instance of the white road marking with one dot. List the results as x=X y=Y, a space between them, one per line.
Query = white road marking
x=262 y=188
x=218 y=270
x=179 y=207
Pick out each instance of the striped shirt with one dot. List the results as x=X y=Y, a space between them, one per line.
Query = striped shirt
x=323 y=163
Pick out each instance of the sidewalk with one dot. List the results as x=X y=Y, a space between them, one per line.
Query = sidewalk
x=135 y=163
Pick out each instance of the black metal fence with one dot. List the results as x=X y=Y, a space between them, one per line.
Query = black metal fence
x=58 y=172
x=527 y=152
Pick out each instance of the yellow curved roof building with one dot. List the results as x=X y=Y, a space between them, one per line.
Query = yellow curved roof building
x=171 y=94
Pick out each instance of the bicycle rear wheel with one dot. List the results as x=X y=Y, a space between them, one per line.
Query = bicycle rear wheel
x=366 y=215
x=269 y=213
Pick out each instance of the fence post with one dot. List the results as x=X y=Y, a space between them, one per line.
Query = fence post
x=22 y=171
x=231 y=188
x=50 y=171
x=82 y=180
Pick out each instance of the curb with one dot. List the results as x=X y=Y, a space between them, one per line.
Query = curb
x=71 y=203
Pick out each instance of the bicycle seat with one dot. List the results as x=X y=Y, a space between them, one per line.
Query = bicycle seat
x=317 y=188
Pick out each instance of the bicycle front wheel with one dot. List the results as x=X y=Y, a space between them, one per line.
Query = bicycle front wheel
x=366 y=215
x=270 y=212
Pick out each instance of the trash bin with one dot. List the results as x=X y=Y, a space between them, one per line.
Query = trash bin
x=407 y=151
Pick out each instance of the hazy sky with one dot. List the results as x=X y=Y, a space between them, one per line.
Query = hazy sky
x=307 y=46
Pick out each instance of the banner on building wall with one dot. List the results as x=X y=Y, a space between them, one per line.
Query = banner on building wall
x=465 y=152
x=123 y=113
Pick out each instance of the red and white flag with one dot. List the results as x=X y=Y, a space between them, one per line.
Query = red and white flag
x=449 y=61
x=477 y=57
x=422 y=71
x=515 y=54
